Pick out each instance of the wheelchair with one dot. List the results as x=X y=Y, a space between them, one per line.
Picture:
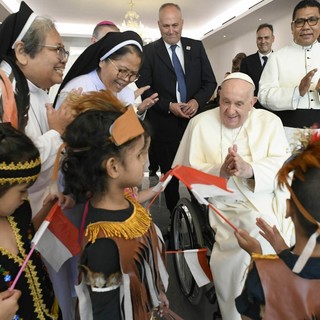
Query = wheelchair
x=190 y=229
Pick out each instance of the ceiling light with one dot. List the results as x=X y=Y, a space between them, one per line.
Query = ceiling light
x=227 y=16
x=132 y=22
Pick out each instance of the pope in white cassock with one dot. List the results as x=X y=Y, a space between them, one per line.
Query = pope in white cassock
x=247 y=146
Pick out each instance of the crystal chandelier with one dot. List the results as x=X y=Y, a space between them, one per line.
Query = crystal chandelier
x=132 y=22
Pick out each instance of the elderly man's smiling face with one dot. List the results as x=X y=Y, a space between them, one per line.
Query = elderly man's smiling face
x=236 y=101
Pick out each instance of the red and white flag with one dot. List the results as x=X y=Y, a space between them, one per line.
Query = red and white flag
x=57 y=238
x=199 y=267
x=163 y=182
x=204 y=185
x=160 y=187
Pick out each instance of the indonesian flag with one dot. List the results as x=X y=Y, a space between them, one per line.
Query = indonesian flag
x=163 y=182
x=160 y=186
x=198 y=264
x=204 y=185
x=57 y=238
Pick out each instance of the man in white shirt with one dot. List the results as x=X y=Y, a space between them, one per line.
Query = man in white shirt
x=254 y=64
x=290 y=82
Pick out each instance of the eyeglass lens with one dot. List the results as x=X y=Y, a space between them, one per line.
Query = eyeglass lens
x=312 y=21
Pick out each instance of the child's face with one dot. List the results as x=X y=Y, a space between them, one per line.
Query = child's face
x=134 y=162
x=13 y=199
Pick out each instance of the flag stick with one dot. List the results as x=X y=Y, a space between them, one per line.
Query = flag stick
x=22 y=267
x=34 y=242
x=189 y=250
x=223 y=217
x=165 y=180
x=202 y=200
x=153 y=199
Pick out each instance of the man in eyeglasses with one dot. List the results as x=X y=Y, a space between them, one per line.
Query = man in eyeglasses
x=289 y=84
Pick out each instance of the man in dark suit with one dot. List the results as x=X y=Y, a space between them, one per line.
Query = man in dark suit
x=253 y=64
x=170 y=115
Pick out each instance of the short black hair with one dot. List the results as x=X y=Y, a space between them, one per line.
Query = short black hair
x=304 y=4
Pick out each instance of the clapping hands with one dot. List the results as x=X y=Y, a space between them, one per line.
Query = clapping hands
x=234 y=165
x=271 y=234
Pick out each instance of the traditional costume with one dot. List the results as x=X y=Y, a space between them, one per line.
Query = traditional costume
x=291 y=279
x=125 y=242
x=37 y=299
x=262 y=142
x=122 y=244
x=271 y=279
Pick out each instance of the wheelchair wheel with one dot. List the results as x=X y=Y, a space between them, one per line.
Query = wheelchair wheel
x=186 y=234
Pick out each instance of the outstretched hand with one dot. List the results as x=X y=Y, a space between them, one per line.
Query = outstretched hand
x=147 y=103
x=247 y=242
x=272 y=235
x=139 y=91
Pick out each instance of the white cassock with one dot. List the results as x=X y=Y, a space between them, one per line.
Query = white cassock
x=262 y=142
x=280 y=79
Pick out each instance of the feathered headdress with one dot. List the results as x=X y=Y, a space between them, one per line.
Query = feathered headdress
x=307 y=157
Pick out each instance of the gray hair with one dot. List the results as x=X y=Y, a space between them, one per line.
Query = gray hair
x=36 y=35
x=170 y=4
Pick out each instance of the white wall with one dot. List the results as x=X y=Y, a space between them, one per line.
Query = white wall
x=221 y=56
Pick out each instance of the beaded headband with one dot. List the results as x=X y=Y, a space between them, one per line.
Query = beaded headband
x=20 y=172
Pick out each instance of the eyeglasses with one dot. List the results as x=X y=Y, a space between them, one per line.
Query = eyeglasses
x=61 y=51
x=312 y=21
x=124 y=74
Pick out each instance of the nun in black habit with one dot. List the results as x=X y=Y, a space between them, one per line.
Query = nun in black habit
x=112 y=63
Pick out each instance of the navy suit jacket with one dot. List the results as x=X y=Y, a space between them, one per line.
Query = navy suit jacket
x=158 y=72
x=251 y=65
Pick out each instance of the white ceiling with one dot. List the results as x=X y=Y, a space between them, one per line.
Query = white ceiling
x=197 y=14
